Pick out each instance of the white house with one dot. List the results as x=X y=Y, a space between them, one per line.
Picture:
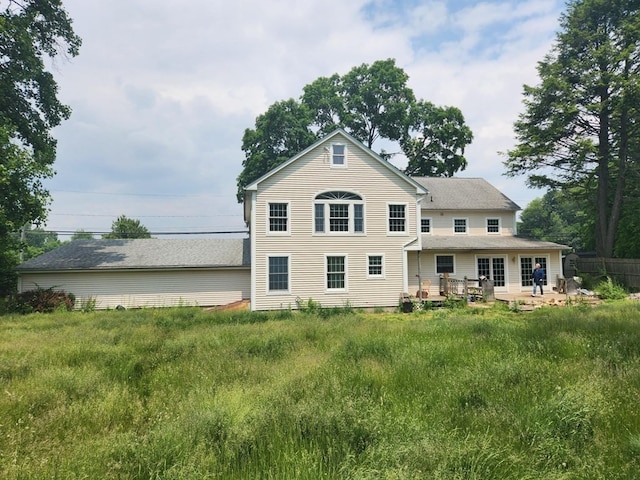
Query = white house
x=337 y=224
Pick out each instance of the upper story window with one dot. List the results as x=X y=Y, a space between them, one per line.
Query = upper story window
x=338 y=212
x=397 y=218
x=459 y=225
x=338 y=155
x=425 y=225
x=493 y=225
x=278 y=217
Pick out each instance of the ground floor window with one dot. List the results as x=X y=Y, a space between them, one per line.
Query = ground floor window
x=278 y=274
x=492 y=268
x=526 y=268
x=375 y=266
x=445 y=264
x=336 y=273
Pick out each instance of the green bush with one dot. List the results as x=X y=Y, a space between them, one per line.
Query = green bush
x=610 y=290
x=43 y=300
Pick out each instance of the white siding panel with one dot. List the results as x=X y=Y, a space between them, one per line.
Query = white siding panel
x=147 y=288
x=299 y=184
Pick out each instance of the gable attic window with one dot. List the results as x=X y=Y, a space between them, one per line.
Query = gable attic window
x=338 y=212
x=338 y=155
x=278 y=218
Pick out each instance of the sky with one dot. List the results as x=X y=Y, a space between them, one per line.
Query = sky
x=162 y=92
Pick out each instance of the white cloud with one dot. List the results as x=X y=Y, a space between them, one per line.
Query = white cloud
x=162 y=92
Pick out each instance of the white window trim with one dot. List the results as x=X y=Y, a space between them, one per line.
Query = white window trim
x=278 y=292
x=384 y=270
x=346 y=273
x=486 y=223
x=435 y=263
x=337 y=165
x=430 y=232
x=406 y=220
x=287 y=232
x=466 y=225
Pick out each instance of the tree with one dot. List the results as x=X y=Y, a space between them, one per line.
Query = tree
x=124 y=227
x=81 y=235
x=38 y=241
x=31 y=31
x=437 y=148
x=370 y=102
x=557 y=217
x=581 y=125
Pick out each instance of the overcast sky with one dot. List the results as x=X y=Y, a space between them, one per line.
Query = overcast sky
x=162 y=92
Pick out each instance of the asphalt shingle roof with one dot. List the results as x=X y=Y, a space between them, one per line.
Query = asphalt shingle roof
x=453 y=193
x=144 y=253
x=470 y=242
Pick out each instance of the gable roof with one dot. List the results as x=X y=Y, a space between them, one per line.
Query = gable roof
x=339 y=132
x=148 y=253
x=455 y=193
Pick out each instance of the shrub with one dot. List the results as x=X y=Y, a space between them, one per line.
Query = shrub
x=44 y=300
x=610 y=290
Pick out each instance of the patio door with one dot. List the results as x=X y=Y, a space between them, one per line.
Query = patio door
x=493 y=268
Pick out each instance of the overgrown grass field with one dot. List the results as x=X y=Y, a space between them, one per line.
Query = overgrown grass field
x=444 y=394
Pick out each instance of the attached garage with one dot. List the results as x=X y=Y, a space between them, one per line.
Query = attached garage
x=145 y=272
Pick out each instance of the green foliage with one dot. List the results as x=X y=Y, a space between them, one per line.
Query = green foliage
x=369 y=102
x=186 y=393
x=81 y=235
x=610 y=290
x=31 y=32
x=42 y=300
x=560 y=217
x=124 y=227
x=581 y=124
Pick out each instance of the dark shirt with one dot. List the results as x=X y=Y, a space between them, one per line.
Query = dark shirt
x=538 y=275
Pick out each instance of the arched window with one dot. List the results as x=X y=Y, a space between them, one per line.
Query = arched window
x=338 y=212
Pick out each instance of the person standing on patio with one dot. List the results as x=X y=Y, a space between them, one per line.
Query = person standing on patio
x=538 y=279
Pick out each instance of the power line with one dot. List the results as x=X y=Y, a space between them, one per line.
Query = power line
x=71 y=232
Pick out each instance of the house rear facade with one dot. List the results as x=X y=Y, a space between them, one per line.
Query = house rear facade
x=336 y=224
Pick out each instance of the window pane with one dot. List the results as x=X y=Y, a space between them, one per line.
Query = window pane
x=499 y=277
x=483 y=268
x=278 y=273
x=338 y=154
x=335 y=272
x=277 y=217
x=425 y=225
x=338 y=217
x=493 y=225
x=358 y=218
x=319 y=214
x=375 y=265
x=460 y=225
x=396 y=218
x=444 y=264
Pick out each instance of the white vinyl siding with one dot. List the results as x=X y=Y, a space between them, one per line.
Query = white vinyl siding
x=137 y=289
x=301 y=183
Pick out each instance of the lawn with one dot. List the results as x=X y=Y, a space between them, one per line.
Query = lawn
x=442 y=394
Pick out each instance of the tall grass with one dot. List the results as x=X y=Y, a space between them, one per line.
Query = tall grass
x=184 y=393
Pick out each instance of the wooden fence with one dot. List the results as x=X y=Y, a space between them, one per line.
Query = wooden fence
x=623 y=270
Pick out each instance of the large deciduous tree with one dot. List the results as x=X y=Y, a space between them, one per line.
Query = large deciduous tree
x=370 y=102
x=32 y=32
x=581 y=125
